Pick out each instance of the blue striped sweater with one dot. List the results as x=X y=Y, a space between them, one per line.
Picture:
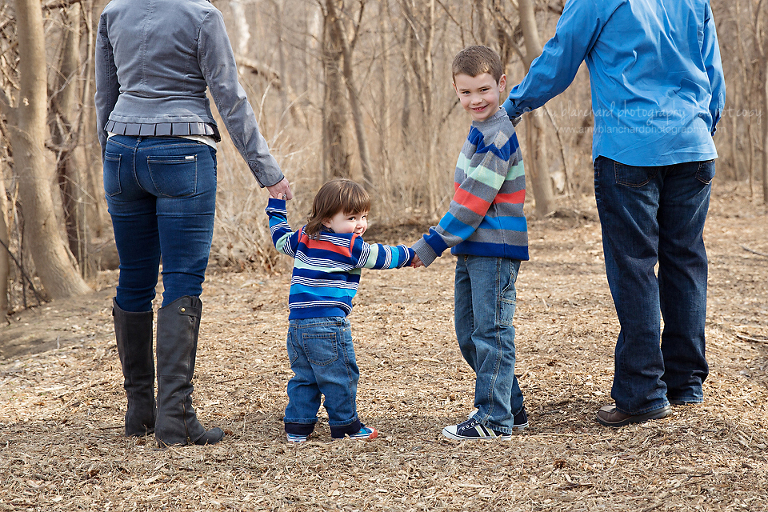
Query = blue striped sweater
x=326 y=269
x=486 y=216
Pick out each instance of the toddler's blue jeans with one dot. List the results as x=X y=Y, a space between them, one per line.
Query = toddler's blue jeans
x=323 y=362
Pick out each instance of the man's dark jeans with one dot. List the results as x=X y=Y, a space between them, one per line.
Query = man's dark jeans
x=650 y=216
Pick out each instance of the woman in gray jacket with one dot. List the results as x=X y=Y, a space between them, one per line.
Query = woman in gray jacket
x=155 y=59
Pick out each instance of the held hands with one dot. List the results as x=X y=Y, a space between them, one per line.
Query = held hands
x=281 y=190
x=416 y=262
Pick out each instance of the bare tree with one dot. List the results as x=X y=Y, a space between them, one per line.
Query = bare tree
x=336 y=154
x=27 y=123
x=347 y=45
x=5 y=261
x=481 y=13
x=418 y=54
x=65 y=124
x=761 y=43
x=536 y=155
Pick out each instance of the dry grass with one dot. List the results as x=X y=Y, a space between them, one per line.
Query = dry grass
x=60 y=423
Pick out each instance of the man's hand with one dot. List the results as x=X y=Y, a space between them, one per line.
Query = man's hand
x=281 y=190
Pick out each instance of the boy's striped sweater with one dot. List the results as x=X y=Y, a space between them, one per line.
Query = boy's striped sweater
x=326 y=269
x=486 y=216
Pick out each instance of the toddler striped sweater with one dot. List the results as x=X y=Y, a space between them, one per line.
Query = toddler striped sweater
x=486 y=216
x=326 y=269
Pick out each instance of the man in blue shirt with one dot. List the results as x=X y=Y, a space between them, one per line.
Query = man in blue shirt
x=657 y=95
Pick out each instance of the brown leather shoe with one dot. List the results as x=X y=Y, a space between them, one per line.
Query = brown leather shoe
x=609 y=416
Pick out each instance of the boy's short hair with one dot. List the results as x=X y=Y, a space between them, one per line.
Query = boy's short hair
x=476 y=60
x=339 y=195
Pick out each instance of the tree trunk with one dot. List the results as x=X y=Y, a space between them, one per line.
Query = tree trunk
x=418 y=55
x=65 y=126
x=354 y=99
x=53 y=261
x=384 y=110
x=434 y=177
x=279 y=13
x=541 y=183
x=336 y=155
x=5 y=261
x=764 y=125
x=481 y=11
x=96 y=212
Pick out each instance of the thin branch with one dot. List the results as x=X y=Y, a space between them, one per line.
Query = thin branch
x=5 y=103
x=60 y=4
x=750 y=338
x=357 y=25
x=23 y=273
x=512 y=29
x=562 y=147
x=764 y=255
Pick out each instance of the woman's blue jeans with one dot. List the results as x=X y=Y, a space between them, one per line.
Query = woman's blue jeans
x=484 y=307
x=161 y=195
x=650 y=216
x=323 y=362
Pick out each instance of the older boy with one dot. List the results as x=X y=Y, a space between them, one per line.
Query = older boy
x=486 y=229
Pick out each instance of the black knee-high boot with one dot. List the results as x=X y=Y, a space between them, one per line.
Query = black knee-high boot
x=178 y=325
x=133 y=332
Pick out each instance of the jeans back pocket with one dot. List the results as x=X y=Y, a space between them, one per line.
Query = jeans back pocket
x=173 y=175
x=321 y=346
x=633 y=176
x=706 y=172
x=112 y=174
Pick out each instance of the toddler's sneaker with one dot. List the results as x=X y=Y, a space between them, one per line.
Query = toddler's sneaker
x=365 y=434
x=297 y=438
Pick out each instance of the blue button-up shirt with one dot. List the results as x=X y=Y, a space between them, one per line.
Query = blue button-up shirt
x=655 y=72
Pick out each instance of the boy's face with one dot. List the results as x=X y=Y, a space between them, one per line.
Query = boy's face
x=348 y=223
x=479 y=95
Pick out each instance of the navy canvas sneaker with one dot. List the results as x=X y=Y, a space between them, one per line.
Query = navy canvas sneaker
x=471 y=429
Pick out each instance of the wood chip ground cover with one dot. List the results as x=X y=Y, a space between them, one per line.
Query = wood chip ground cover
x=61 y=409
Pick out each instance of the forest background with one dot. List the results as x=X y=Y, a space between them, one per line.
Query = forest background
x=358 y=89
x=362 y=88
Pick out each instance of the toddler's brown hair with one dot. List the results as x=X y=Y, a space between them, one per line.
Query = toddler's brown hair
x=339 y=195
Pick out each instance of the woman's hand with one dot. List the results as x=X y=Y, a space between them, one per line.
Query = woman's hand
x=281 y=190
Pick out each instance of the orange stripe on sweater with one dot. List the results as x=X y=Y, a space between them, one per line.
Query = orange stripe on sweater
x=514 y=198
x=474 y=203
x=326 y=246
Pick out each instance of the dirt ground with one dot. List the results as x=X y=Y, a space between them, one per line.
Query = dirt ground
x=61 y=403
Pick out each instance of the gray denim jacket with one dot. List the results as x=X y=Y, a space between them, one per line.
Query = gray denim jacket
x=154 y=60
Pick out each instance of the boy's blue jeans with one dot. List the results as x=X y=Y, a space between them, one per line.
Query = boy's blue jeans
x=323 y=362
x=653 y=215
x=161 y=195
x=484 y=307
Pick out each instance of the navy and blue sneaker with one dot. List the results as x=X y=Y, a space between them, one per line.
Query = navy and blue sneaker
x=471 y=429
x=521 y=420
